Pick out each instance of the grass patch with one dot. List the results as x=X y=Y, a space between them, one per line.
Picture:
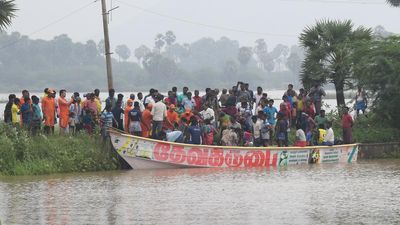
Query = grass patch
x=22 y=154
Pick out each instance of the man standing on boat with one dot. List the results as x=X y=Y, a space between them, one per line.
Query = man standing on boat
x=347 y=125
x=159 y=113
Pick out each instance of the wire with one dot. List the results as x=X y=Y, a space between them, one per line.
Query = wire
x=51 y=24
x=203 y=24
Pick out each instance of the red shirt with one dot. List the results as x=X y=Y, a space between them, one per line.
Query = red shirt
x=347 y=121
x=197 y=101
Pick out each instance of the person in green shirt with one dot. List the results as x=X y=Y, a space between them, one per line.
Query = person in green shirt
x=321 y=119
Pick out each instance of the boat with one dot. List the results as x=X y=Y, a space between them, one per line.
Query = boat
x=145 y=153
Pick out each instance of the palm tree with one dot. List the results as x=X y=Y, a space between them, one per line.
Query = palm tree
x=329 y=46
x=7 y=12
x=395 y=3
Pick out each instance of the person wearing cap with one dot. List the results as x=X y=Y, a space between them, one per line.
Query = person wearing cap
x=172 y=118
x=128 y=108
x=49 y=111
x=187 y=115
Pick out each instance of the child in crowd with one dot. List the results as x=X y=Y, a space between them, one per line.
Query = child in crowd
x=229 y=137
x=71 y=122
x=329 y=138
x=281 y=130
x=37 y=116
x=301 y=140
x=88 y=121
x=195 y=132
x=265 y=127
x=321 y=134
x=208 y=131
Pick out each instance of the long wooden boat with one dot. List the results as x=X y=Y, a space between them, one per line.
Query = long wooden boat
x=144 y=153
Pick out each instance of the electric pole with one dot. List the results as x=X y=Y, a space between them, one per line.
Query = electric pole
x=107 y=44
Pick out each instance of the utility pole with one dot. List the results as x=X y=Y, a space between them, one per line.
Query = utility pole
x=107 y=44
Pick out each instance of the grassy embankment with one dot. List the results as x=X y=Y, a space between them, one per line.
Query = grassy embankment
x=21 y=154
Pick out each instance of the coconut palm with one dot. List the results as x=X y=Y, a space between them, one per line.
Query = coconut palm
x=7 y=12
x=329 y=46
x=395 y=3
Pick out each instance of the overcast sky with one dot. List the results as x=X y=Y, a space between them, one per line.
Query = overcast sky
x=277 y=21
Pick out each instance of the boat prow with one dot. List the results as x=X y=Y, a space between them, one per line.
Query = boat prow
x=145 y=153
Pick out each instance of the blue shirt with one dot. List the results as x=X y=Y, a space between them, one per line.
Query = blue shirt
x=135 y=115
x=107 y=118
x=26 y=114
x=195 y=135
x=271 y=111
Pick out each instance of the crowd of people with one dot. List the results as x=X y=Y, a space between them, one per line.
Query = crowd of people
x=234 y=117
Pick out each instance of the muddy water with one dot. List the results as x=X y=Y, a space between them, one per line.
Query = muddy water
x=366 y=192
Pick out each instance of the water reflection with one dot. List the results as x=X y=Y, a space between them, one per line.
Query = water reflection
x=365 y=192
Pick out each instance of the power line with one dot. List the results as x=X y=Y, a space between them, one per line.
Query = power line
x=52 y=23
x=203 y=24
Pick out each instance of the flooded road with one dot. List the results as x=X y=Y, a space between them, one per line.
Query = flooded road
x=367 y=192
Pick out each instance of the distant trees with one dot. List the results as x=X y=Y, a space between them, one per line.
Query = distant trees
x=141 y=52
x=244 y=56
x=7 y=13
x=205 y=62
x=123 y=52
x=395 y=3
x=329 y=46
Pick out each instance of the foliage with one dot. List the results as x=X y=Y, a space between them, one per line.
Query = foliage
x=26 y=155
x=61 y=63
x=377 y=68
x=123 y=52
x=7 y=13
x=329 y=46
x=395 y=3
x=244 y=56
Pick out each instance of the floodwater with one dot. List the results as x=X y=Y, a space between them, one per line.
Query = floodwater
x=367 y=192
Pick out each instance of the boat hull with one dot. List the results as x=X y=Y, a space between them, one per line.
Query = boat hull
x=144 y=153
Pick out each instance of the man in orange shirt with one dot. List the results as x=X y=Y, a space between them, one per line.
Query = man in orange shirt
x=128 y=108
x=49 y=111
x=172 y=118
x=146 y=121
x=63 y=105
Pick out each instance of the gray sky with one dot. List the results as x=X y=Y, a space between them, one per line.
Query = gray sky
x=134 y=27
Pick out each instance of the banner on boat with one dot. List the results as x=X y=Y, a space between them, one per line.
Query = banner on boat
x=209 y=156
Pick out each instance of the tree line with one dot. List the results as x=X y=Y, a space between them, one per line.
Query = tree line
x=60 y=62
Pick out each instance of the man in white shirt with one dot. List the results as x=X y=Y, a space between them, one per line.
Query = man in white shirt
x=329 y=138
x=159 y=112
x=208 y=113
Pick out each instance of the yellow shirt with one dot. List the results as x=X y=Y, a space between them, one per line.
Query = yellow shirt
x=98 y=104
x=300 y=105
x=322 y=133
x=14 y=114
